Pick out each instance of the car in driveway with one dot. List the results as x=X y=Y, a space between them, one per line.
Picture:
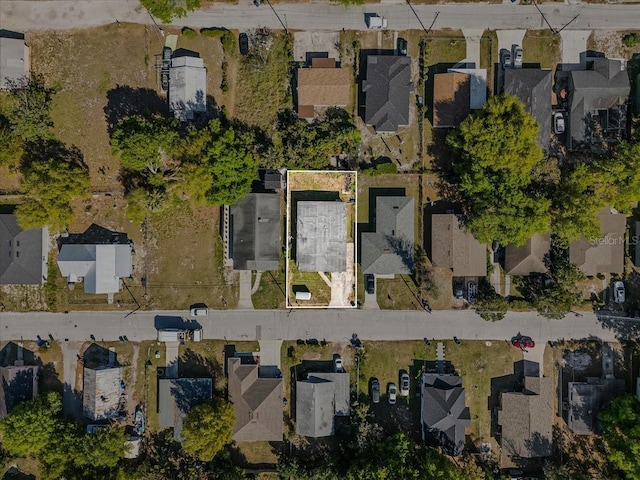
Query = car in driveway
x=458 y=289
x=405 y=384
x=243 y=42
x=369 y=284
x=506 y=60
x=618 y=292
x=523 y=342
x=199 y=310
x=558 y=123
x=517 y=56
x=392 y=393
x=337 y=364
x=401 y=46
x=375 y=390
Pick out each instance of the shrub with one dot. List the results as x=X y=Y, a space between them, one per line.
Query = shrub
x=381 y=169
x=631 y=39
x=213 y=32
x=228 y=40
x=189 y=32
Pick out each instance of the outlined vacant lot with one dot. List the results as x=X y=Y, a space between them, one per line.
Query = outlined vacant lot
x=321 y=245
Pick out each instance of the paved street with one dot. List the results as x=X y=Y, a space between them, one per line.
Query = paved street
x=332 y=325
x=65 y=14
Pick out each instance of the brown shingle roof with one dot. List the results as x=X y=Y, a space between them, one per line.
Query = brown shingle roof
x=257 y=402
x=451 y=99
x=455 y=249
x=528 y=258
x=322 y=87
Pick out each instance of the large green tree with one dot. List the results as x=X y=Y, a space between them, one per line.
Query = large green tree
x=167 y=10
x=30 y=115
x=496 y=154
x=52 y=175
x=10 y=144
x=621 y=432
x=207 y=429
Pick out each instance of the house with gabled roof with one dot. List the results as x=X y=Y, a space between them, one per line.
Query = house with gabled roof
x=604 y=254
x=528 y=258
x=526 y=419
x=176 y=397
x=321 y=236
x=23 y=253
x=257 y=401
x=18 y=384
x=390 y=249
x=387 y=89
x=532 y=86
x=453 y=248
x=321 y=398
x=322 y=85
x=444 y=412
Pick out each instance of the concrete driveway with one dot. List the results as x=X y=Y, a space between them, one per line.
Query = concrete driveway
x=574 y=44
x=244 y=297
x=317 y=42
x=371 y=299
x=472 y=39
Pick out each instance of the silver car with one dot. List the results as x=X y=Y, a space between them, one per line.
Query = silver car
x=618 y=292
x=405 y=383
x=517 y=56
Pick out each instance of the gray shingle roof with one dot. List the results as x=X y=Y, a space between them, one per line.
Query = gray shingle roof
x=602 y=87
x=23 y=253
x=604 y=254
x=256 y=232
x=321 y=236
x=444 y=413
x=452 y=247
x=587 y=399
x=533 y=87
x=315 y=407
x=176 y=396
x=257 y=402
x=387 y=90
x=528 y=258
x=389 y=250
x=17 y=384
x=526 y=419
x=14 y=57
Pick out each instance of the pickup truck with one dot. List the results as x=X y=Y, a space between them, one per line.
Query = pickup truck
x=374 y=21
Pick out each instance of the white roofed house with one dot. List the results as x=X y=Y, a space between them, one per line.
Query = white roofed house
x=187 y=85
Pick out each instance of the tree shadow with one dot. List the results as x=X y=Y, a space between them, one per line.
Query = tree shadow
x=96 y=356
x=124 y=101
x=194 y=365
x=42 y=150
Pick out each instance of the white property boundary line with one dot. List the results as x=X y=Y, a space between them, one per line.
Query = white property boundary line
x=355 y=241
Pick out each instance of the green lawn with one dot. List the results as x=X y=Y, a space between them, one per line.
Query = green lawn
x=271 y=292
x=489 y=57
x=399 y=293
x=320 y=291
x=541 y=47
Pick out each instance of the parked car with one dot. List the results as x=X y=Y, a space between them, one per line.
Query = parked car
x=392 y=393
x=369 y=284
x=506 y=60
x=558 y=123
x=243 y=42
x=405 y=383
x=375 y=390
x=517 y=56
x=337 y=364
x=472 y=291
x=402 y=46
x=199 y=310
x=618 y=291
x=523 y=343
x=458 y=289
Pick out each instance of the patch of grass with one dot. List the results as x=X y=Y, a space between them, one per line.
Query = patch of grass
x=320 y=291
x=151 y=378
x=399 y=293
x=50 y=287
x=489 y=57
x=257 y=453
x=270 y=294
x=189 y=32
x=446 y=47
x=263 y=83
x=541 y=47
x=105 y=83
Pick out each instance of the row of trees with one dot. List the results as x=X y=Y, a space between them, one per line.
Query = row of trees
x=510 y=192
x=52 y=173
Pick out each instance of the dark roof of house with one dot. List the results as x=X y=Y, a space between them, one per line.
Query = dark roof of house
x=321 y=236
x=96 y=235
x=604 y=254
x=389 y=250
x=452 y=247
x=533 y=87
x=587 y=399
x=526 y=419
x=451 y=98
x=176 y=396
x=444 y=411
x=256 y=232
x=17 y=384
x=271 y=179
x=387 y=90
x=257 y=402
x=603 y=86
x=528 y=258
x=23 y=253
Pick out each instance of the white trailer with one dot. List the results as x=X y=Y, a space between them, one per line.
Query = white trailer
x=179 y=335
x=375 y=21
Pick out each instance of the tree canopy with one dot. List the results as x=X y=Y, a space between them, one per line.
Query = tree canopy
x=167 y=10
x=207 y=429
x=30 y=115
x=497 y=153
x=621 y=431
x=10 y=144
x=52 y=175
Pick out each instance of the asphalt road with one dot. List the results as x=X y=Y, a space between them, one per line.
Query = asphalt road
x=65 y=14
x=332 y=325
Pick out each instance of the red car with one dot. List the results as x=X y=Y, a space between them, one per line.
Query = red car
x=523 y=343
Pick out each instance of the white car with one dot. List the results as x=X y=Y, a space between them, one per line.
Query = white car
x=618 y=292
x=199 y=311
x=517 y=56
x=337 y=365
x=392 y=392
x=558 y=123
x=405 y=383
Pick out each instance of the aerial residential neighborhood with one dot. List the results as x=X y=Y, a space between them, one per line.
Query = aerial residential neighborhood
x=319 y=240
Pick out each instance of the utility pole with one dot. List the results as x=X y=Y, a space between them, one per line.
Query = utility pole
x=155 y=23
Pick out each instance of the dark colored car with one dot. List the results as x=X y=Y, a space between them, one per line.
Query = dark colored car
x=458 y=289
x=402 y=46
x=166 y=57
x=243 y=41
x=369 y=284
x=375 y=390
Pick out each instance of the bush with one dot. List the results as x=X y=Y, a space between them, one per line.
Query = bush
x=631 y=39
x=213 y=32
x=388 y=168
x=520 y=304
x=189 y=32
x=228 y=40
